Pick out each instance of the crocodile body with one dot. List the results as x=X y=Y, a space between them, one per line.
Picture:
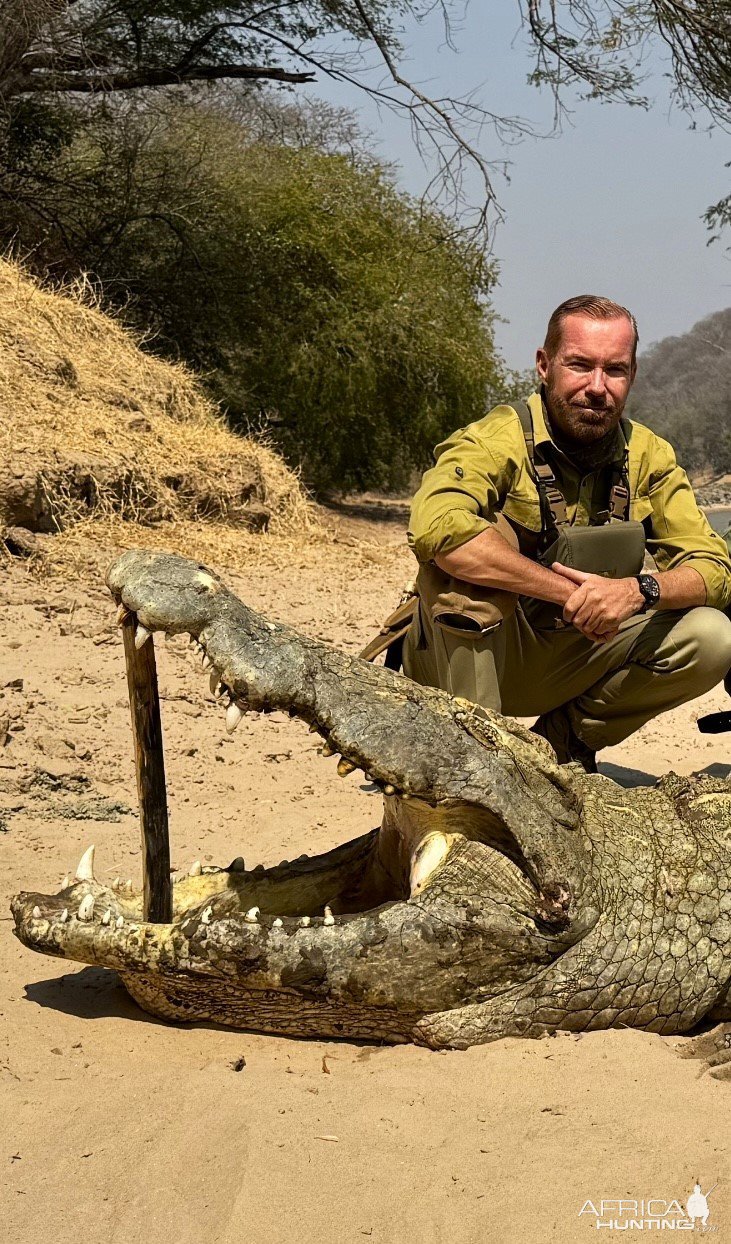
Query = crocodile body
x=501 y=895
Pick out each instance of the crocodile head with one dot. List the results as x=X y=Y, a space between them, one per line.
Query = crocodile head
x=474 y=880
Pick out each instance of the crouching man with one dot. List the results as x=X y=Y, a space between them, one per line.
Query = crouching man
x=531 y=533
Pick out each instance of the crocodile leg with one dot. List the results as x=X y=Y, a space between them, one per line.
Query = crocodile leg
x=595 y=984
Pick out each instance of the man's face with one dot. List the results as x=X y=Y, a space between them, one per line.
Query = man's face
x=588 y=379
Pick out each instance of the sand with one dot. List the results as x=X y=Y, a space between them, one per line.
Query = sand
x=118 y=1128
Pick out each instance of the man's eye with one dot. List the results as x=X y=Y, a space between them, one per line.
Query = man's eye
x=578 y=365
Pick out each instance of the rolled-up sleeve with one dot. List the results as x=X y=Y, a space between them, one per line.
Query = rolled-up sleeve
x=681 y=533
x=458 y=496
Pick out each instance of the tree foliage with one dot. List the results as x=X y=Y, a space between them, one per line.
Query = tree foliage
x=603 y=48
x=66 y=48
x=683 y=391
x=322 y=305
x=54 y=48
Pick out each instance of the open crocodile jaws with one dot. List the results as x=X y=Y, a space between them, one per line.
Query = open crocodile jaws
x=501 y=895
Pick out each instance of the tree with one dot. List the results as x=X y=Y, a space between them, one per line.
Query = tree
x=61 y=48
x=53 y=48
x=603 y=47
x=321 y=305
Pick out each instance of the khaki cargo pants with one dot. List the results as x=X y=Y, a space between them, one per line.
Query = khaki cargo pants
x=657 y=661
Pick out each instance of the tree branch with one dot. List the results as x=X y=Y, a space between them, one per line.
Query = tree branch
x=106 y=82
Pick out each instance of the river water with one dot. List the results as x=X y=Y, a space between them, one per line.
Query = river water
x=720 y=520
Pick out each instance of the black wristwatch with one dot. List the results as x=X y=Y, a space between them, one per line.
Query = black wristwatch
x=650 y=589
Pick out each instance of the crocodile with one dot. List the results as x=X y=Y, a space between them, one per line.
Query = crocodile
x=501 y=895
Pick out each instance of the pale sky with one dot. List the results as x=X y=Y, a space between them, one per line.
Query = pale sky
x=611 y=206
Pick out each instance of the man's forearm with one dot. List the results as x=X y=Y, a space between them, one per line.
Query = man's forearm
x=682 y=588
x=489 y=560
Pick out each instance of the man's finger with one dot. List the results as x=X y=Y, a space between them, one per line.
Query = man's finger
x=568 y=572
x=588 y=619
x=599 y=637
x=573 y=604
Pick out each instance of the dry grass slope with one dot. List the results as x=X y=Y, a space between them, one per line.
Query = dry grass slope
x=100 y=440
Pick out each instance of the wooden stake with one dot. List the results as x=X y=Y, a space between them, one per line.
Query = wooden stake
x=150 y=766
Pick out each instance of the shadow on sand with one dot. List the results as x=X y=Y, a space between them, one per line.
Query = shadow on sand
x=91 y=993
x=637 y=777
x=627 y=777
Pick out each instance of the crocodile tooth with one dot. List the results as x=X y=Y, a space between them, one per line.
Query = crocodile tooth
x=213 y=682
x=86 y=908
x=85 y=870
x=36 y=913
x=195 y=869
x=329 y=917
x=252 y=915
x=141 y=635
x=426 y=858
x=278 y=923
x=119 y=922
x=234 y=715
x=64 y=916
x=207 y=662
x=107 y=916
x=345 y=767
x=122 y=614
x=65 y=880
x=238 y=865
x=304 y=922
x=128 y=886
x=206 y=915
x=116 y=883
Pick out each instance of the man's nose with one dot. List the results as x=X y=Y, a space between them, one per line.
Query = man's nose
x=597 y=381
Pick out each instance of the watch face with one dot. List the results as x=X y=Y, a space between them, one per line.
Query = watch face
x=650 y=588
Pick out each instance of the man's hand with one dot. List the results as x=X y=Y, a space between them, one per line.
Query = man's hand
x=598 y=605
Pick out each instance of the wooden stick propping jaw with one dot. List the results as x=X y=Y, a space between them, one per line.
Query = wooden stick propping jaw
x=150 y=767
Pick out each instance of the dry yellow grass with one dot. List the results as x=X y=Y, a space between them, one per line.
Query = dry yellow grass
x=107 y=443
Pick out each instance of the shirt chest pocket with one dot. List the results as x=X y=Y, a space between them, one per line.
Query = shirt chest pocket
x=523 y=510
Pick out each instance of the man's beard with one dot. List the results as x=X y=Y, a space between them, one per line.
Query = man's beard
x=582 y=424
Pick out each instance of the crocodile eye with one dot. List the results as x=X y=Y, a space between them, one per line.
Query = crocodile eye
x=459 y=472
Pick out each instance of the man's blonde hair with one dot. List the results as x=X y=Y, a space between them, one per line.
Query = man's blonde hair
x=593 y=306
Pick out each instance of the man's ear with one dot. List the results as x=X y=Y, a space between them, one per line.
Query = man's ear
x=541 y=363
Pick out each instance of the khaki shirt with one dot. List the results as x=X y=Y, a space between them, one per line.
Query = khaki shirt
x=485 y=467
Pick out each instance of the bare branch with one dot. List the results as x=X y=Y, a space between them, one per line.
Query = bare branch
x=105 y=82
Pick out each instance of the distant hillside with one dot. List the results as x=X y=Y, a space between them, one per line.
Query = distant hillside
x=683 y=391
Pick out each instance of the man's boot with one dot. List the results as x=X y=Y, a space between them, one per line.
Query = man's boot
x=557 y=729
